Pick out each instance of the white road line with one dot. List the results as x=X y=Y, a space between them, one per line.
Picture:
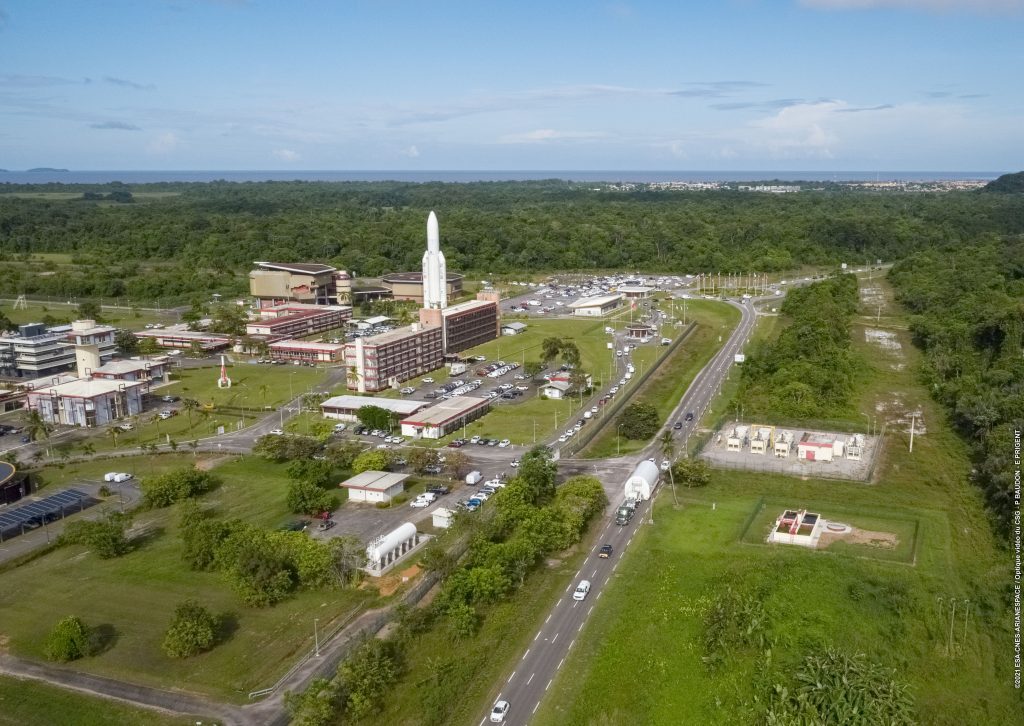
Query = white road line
x=590 y=611
x=536 y=707
x=572 y=643
x=599 y=594
x=549 y=684
x=580 y=628
x=595 y=574
x=536 y=636
x=560 y=663
x=528 y=680
x=554 y=639
x=549 y=615
x=526 y=653
x=511 y=677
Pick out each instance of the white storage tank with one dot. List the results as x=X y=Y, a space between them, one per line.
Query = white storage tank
x=642 y=481
x=389 y=547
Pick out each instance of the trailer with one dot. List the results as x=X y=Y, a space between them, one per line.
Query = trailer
x=642 y=481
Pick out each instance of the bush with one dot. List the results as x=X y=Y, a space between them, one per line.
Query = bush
x=286 y=448
x=193 y=630
x=305 y=497
x=376 y=460
x=104 y=536
x=69 y=640
x=638 y=421
x=174 y=486
x=318 y=705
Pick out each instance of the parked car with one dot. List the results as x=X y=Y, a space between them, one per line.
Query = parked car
x=418 y=503
x=439 y=491
x=431 y=469
x=581 y=590
x=428 y=379
x=515 y=463
x=407 y=390
x=605 y=552
x=276 y=432
x=326 y=524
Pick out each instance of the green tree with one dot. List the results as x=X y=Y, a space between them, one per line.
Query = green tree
x=420 y=458
x=538 y=472
x=305 y=497
x=189 y=405
x=456 y=463
x=639 y=421
x=691 y=473
x=374 y=460
x=90 y=310
x=318 y=705
x=105 y=536
x=37 y=429
x=368 y=675
x=532 y=368
x=148 y=346
x=348 y=558
x=550 y=348
x=192 y=631
x=228 y=318
x=176 y=485
x=69 y=640
x=341 y=454
x=374 y=417
x=127 y=342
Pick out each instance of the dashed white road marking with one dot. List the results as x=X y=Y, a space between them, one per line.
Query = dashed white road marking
x=511 y=677
x=548 y=685
x=530 y=678
x=554 y=639
x=526 y=653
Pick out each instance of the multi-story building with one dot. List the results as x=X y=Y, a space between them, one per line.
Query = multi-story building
x=469 y=324
x=37 y=351
x=295 y=320
x=409 y=285
x=380 y=361
x=143 y=371
x=307 y=351
x=276 y=283
x=87 y=401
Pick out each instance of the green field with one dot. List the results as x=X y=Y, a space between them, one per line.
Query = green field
x=642 y=657
x=135 y=595
x=664 y=389
x=122 y=317
x=31 y=702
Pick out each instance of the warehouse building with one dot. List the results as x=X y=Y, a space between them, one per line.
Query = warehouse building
x=184 y=339
x=346 y=408
x=278 y=283
x=374 y=486
x=385 y=360
x=409 y=285
x=445 y=417
x=513 y=328
x=142 y=371
x=596 y=306
x=87 y=401
x=297 y=320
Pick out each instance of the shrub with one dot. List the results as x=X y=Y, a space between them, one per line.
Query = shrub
x=174 y=486
x=638 y=421
x=104 y=536
x=305 y=497
x=69 y=640
x=318 y=705
x=193 y=630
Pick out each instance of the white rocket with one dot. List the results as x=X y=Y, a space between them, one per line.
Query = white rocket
x=435 y=273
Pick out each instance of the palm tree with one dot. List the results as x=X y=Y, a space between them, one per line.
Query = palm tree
x=190 y=405
x=194 y=445
x=37 y=429
x=113 y=432
x=667 y=443
x=264 y=391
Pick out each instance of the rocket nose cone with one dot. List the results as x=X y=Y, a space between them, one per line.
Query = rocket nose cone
x=433 y=235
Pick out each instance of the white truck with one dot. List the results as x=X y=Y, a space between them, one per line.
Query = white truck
x=474 y=477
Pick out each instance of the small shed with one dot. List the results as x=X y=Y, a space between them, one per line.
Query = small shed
x=818 y=447
x=442 y=517
x=642 y=481
x=375 y=486
x=512 y=328
x=555 y=389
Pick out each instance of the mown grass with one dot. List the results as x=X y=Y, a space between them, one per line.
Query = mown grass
x=122 y=317
x=641 y=655
x=31 y=702
x=135 y=596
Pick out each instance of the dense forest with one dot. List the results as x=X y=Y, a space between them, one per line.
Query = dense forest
x=968 y=306
x=179 y=240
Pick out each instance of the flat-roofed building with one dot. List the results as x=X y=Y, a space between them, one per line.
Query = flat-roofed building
x=184 y=339
x=819 y=447
x=346 y=408
x=143 y=371
x=596 y=306
x=640 y=331
x=307 y=351
x=469 y=324
x=87 y=401
x=635 y=292
x=374 y=486
x=381 y=361
x=445 y=417
x=37 y=350
x=513 y=328
x=296 y=320
x=409 y=285
x=276 y=283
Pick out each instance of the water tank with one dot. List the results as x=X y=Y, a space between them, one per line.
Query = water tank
x=642 y=481
x=385 y=543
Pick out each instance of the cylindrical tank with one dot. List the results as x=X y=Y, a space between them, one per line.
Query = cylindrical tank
x=382 y=545
x=642 y=481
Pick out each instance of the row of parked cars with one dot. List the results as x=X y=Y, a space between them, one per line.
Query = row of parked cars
x=496 y=370
x=488 y=490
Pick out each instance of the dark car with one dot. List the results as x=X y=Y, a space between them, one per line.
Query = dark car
x=689 y=416
x=605 y=552
x=326 y=524
x=298 y=525
x=431 y=469
x=677 y=425
x=439 y=491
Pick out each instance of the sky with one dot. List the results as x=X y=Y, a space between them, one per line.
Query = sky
x=816 y=85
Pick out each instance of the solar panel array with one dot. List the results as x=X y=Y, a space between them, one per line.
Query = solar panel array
x=50 y=505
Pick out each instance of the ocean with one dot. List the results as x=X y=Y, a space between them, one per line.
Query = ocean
x=149 y=177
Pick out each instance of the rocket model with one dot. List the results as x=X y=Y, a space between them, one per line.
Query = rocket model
x=435 y=274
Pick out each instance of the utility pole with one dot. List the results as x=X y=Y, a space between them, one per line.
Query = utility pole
x=913 y=420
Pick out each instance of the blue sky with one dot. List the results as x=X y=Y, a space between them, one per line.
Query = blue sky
x=395 y=84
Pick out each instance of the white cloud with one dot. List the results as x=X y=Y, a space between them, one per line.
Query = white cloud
x=801 y=130
x=286 y=155
x=164 y=143
x=983 y=6
x=412 y=152
x=539 y=136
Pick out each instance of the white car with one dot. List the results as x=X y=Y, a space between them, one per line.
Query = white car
x=417 y=502
x=515 y=463
x=581 y=590
x=109 y=476
x=504 y=443
x=428 y=379
x=499 y=711
x=122 y=477
x=666 y=465
x=563 y=438
x=474 y=438
x=383 y=446
x=277 y=432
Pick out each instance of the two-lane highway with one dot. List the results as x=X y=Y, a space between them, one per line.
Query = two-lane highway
x=551 y=646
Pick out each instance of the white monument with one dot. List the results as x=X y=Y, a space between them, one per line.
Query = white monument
x=435 y=273
x=223 y=381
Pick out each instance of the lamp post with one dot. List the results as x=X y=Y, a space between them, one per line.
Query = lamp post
x=618 y=439
x=316 y=637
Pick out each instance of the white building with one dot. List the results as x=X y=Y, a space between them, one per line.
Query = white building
x=513 y=328
x=555 y=389
x=87 y=401
x=444 y=417
x=442 y=517
x=819 y=447
x=801 y=528
x=374 y=486
x=346 y=408
x=594 y=307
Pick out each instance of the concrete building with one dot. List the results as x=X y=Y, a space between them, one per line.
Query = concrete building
x=761 y=440
x=307 y=351
x=819 y=447
x=444 y=417
x=409 y=285
x=465 y=325
x=597 y=306
x=142 y=371
x=277 y=283
x=794 y=527
x=513 y=328
x=36 y=351
x=87 y=401
x=374 y=486
x=297 y=320
x=346 y=408
x=385 y=360
x=635 y=292
x=783 y=445
x=442 y=517
x=736 y=438
x=555 y=389
x=183 y=339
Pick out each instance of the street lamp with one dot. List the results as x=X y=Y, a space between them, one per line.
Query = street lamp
x=618 y=439
x=316 y=636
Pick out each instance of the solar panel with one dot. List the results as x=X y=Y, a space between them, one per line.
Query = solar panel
x=50 y=505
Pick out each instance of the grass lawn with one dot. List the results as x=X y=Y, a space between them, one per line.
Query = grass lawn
x=60 y=475
x=664 y=389
x=31 y=702
x=253 y=387
x=650 y=627
x=135 y=596
x=122 y=317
